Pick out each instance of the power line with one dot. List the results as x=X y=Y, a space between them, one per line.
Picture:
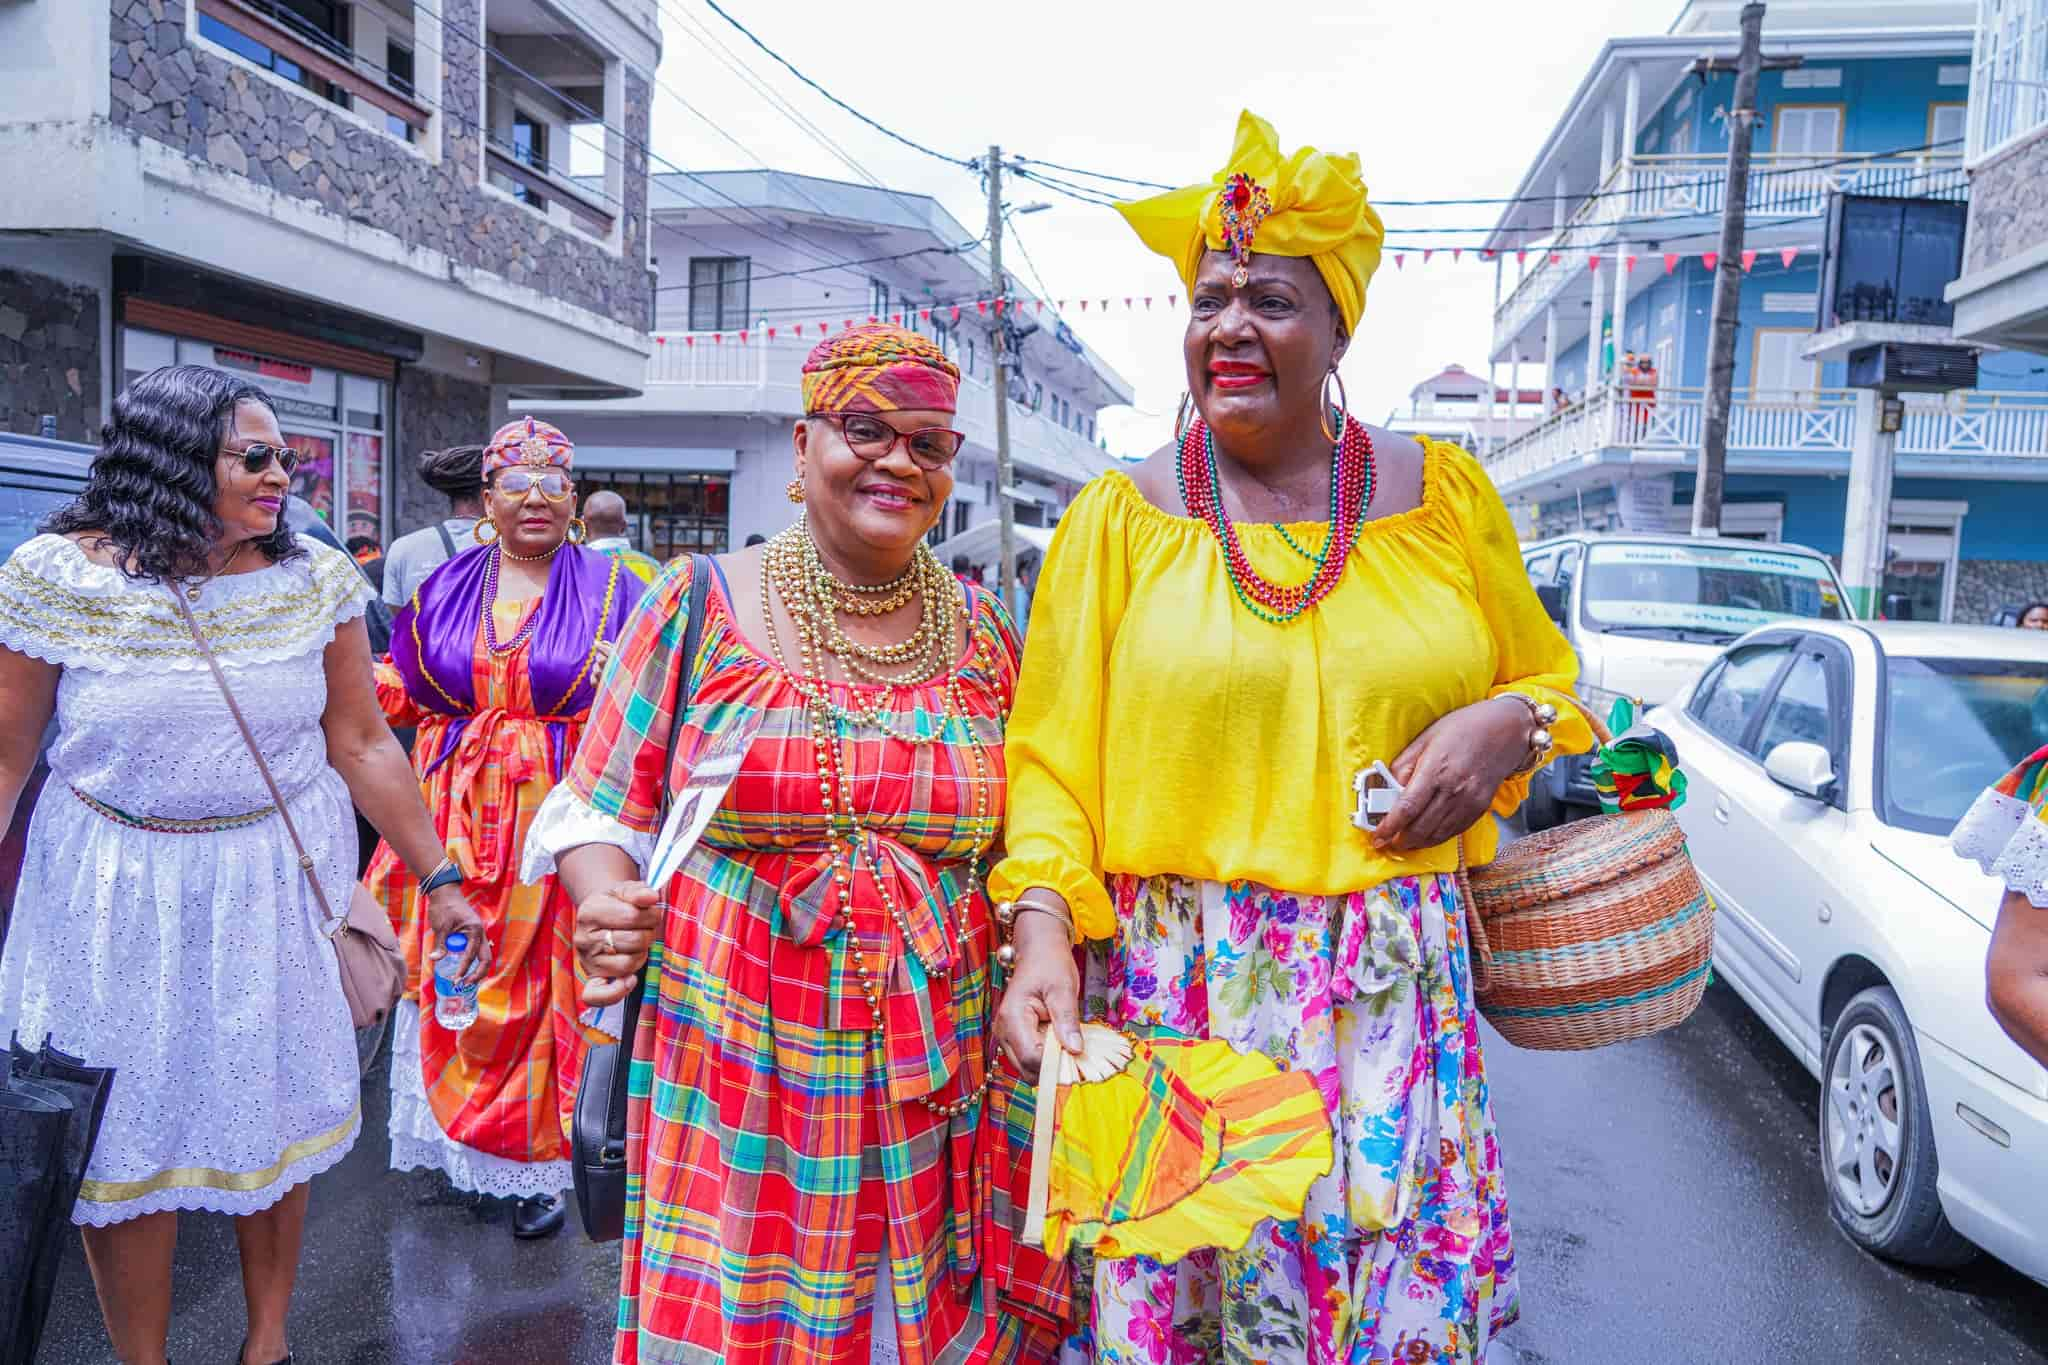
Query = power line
x=788 y=66
x=865 y=260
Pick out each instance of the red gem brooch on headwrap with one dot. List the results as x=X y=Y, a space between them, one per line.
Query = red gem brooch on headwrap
x=1242 y=205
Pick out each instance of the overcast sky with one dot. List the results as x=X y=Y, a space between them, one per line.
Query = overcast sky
x=1438 y=103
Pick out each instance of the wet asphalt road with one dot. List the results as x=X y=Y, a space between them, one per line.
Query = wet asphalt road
x=1667 y=1211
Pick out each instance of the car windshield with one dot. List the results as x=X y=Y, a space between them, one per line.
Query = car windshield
x=22 y=510
x=1716 y=590
x=1952 y=728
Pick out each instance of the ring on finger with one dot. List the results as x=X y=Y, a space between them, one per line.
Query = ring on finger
x=609 y=946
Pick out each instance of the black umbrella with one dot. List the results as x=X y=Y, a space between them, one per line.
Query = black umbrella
x=48 y=1082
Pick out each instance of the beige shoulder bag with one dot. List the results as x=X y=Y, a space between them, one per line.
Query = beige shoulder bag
x=372 y=967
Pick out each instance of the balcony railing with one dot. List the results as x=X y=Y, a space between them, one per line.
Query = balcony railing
x=283 y=32
x=1674 y=189
x=1803 y=422
x=764 y=375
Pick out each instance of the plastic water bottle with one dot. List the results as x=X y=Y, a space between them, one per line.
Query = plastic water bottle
x=454 y=1002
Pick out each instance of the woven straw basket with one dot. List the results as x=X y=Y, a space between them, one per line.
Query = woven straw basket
x=1591 y=933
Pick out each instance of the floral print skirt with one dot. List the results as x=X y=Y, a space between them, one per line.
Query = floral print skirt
x=1403 y=1253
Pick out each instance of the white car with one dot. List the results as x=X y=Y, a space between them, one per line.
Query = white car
x=1828 y=762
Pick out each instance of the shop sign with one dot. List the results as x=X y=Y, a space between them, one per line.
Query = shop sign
x=295 y=389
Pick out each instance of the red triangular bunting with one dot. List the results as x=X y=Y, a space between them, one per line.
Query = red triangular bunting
x=1521 y=258
x=1084 y=305
x=1748 y=260
x=1456 y=253
x=1789 y=255
x=1038 y=307
x=956 y=312
x=798 y=329
x=981 y=306
x=1148 y=303
x=689 y=341
x=743 y=338
x=849 y=324
x=1427 y=252
x=1592 y=262
x=1400 y=260
x=872 y=319
x=924 y=315
x=895 y=319
x=771 y=334
x=661 y=341
x=1670 y=261
x=1711 y=260
x=719 y=337
x=1172 y=299
x=1630 y=264
x=1487 y=253
x=1127 y=303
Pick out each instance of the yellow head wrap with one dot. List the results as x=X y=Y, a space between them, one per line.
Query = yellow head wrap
x=1318 y=210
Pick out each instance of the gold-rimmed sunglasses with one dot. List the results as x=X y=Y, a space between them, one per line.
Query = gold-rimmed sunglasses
x=553 y=484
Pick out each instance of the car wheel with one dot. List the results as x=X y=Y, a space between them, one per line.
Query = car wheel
x=1877 y=1141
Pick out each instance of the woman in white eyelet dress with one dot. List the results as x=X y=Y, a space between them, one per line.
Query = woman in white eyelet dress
x=162 y=924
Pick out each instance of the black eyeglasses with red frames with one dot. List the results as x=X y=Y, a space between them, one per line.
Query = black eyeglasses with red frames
x=931 y=448
x=256 y=457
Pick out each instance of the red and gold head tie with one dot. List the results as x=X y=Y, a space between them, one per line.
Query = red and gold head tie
x=1242 y=205
x=530 y=442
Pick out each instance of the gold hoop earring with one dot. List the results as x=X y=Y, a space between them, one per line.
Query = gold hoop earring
x=578 y=532
x=476 y=532
x=1323 y=409
x=1181 y=420
x=795 y=491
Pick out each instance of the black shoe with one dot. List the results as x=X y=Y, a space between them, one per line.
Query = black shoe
x=540 y=1216
x=245 y=1350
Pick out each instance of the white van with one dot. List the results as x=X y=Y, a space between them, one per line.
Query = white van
x=1645 y=613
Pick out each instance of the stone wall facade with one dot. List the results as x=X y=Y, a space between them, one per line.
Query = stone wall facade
x=2008 y=206
x=1985 y=585
x=187 y=96
x=434 y=411
x=49 y=356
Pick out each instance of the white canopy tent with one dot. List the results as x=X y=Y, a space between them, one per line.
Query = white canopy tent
x=983 y=545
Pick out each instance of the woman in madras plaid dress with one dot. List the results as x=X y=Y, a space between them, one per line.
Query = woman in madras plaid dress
x=812 y=1062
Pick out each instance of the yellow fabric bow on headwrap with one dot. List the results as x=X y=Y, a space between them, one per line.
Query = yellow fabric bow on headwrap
x=1318 y=209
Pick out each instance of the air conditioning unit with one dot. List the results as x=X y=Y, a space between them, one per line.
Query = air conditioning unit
x=1905 y=367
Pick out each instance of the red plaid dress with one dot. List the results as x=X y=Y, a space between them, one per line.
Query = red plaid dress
x=783 y=1172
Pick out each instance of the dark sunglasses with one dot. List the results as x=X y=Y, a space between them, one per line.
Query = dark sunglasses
x=931 y=448
x=256 y=457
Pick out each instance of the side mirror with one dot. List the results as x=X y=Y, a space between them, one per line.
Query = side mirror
x=1799 y=766
x=1551 y=595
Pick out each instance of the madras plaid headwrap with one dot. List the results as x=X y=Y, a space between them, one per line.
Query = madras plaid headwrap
x=528 y=441
x=879 y=368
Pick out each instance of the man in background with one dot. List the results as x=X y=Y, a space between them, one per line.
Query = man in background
x=457 y=472
x=604 y=518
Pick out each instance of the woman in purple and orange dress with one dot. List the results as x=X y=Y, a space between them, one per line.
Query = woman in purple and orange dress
x=496 y=660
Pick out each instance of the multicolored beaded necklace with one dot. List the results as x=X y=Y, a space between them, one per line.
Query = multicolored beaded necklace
x=526 y=630
x=1353 y=475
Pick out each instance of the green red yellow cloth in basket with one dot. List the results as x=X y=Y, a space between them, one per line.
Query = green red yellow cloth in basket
x=1638 y=769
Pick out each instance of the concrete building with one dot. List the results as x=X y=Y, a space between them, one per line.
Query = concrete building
x=2002 y=297
x=753 y=267
x=1468 y=410
x=1875 y=106
x=363 y=205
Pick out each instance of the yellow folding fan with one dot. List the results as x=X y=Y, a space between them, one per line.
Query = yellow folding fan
x=1158 y=1147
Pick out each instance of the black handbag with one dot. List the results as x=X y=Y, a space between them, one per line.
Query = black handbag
x=597 y=1138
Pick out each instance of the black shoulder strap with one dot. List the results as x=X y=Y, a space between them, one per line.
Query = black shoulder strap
x=447 y=541
x=693 y=635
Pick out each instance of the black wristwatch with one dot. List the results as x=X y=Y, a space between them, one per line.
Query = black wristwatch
x=447 y=874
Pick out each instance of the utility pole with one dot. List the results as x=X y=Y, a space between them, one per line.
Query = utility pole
x=1706 y=497
x=1006 y=517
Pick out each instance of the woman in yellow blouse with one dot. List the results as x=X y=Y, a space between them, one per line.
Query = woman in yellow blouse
x=1223 y=639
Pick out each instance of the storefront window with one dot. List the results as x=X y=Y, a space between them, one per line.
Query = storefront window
x=336 y=421
x=668 y=514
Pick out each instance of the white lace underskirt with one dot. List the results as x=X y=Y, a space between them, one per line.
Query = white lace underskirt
x=565 y=821
x=419 y=1143
x=2004 y=837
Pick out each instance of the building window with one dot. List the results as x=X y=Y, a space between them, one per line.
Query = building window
x=1947 y=125
x=319 y=23
x=967 y=357
x=1037 y=396
x=669 y=514
x=398 y=67
x=1807 y=130
x=943 y=336
x=529 y=148
x=878 y=300
x=1778 y=373
x=718 y=292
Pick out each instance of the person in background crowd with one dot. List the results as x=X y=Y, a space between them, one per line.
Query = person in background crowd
x=2034 y=616
x=756 y=539
x=2006 y=834
x=454 y=472
x=604 y=513
x=496 y=658
x=1193 y=706
x=369 y=557
x=164 y=926
x=1027 y=579
x=809 y=1179
x=964 y=570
